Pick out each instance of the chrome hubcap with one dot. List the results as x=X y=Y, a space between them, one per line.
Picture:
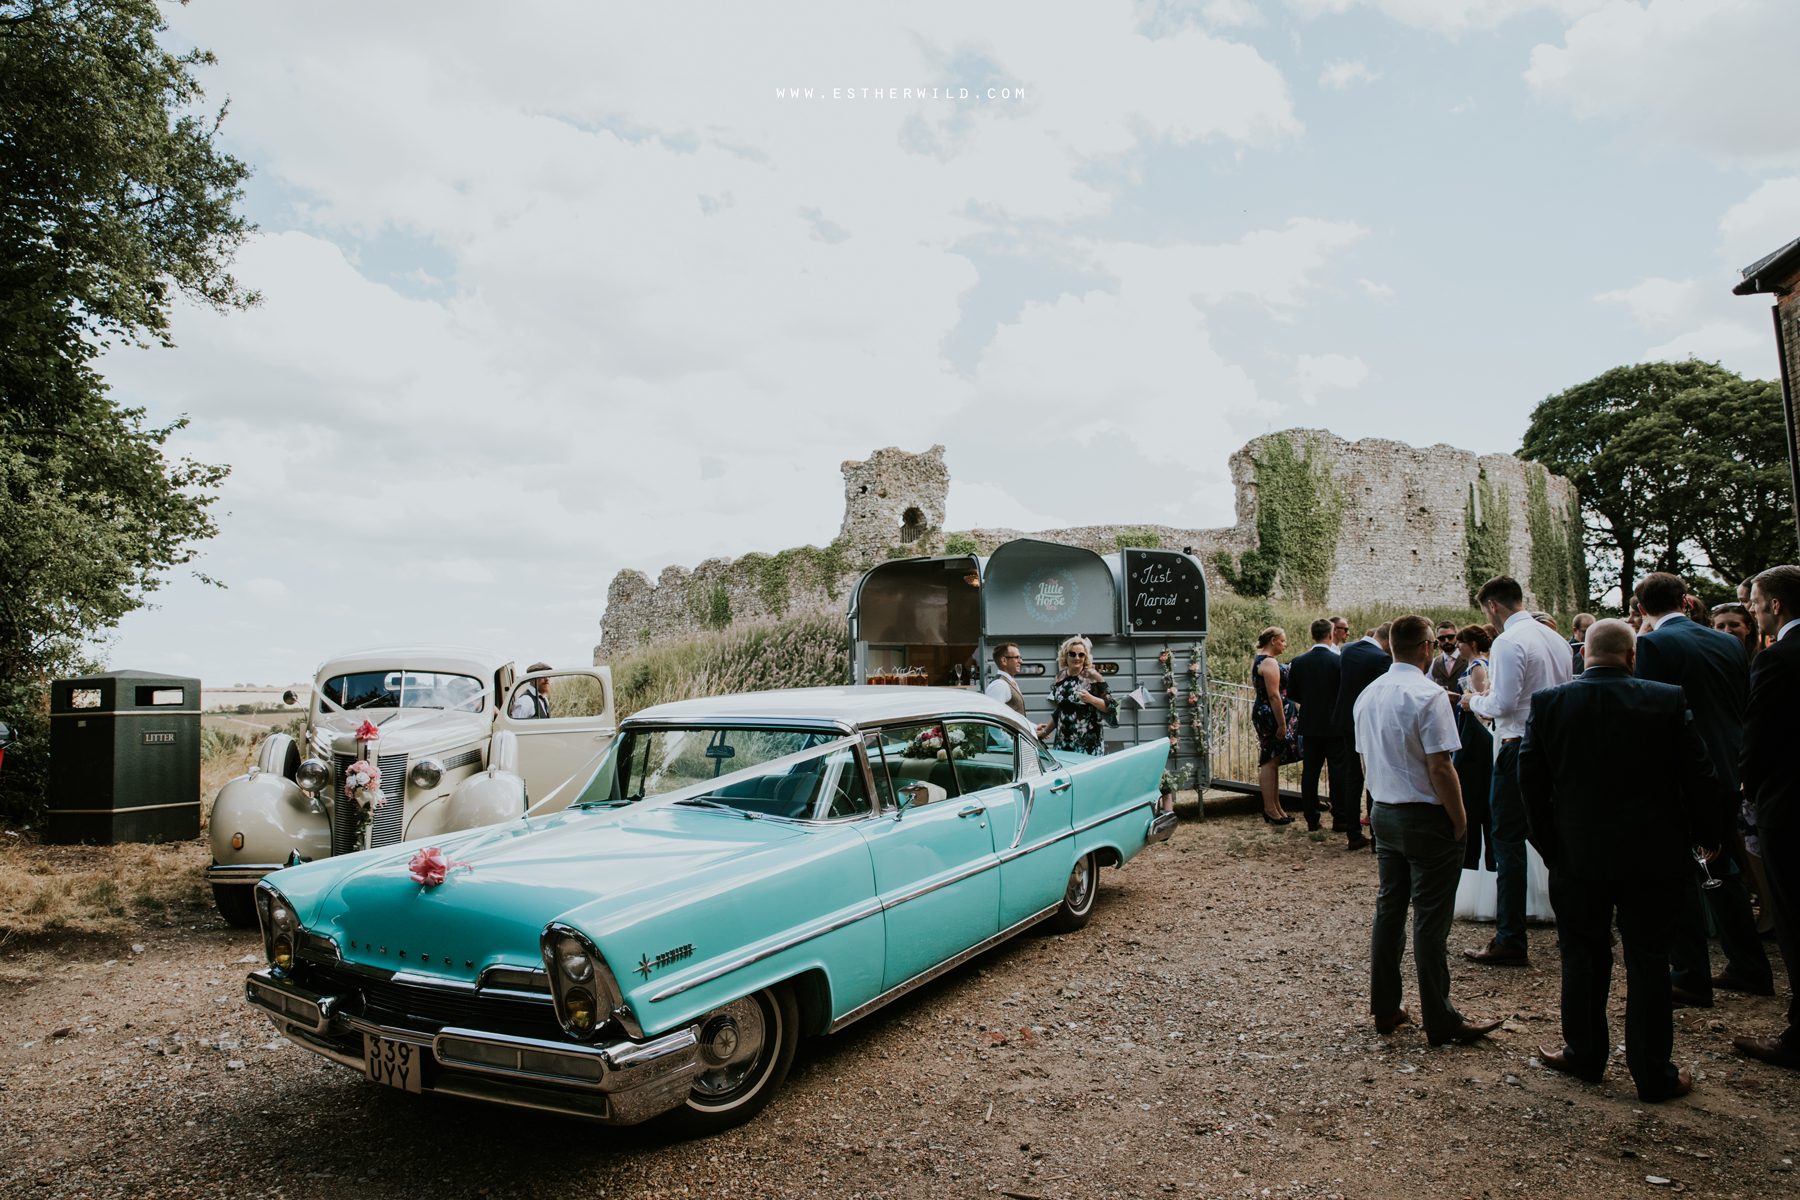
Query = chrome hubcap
x=1080 y=881
x=731 y=1046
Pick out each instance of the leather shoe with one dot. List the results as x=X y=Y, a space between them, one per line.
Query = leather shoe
x=1725 y=981
x=1558 y=1060
x=1770 y=1050
x=1496 y=955
x=1385 y=1026
x=1357 y=842
x=1686 y=999
x=1684 y=1083
x=1468 y=1031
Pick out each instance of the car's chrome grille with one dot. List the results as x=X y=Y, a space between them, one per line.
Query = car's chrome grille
x=439 y=1006
x=466 y=758
x=389 y=823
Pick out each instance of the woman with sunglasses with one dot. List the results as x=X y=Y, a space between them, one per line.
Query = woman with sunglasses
x=1082 y=705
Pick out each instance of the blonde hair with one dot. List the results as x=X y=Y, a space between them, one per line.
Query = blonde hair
x=1268 y=635
x=1062 y=652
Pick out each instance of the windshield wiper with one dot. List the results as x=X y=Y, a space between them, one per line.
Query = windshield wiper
x=703 y=802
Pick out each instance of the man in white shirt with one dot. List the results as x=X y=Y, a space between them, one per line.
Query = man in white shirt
x=1406 y=734
x=1526 y=658
x=532 y=702
x=1004 y=687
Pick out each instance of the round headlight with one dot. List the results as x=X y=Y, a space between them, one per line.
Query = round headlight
x=312 y=775
x=281 y=929
x=572 y=958
x=580 y=1009
x=426 y=773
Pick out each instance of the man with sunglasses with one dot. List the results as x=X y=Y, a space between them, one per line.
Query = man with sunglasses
x=1446 y=667
x=1004 y=687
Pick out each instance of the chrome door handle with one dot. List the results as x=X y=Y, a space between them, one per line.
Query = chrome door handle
x=973 y=810
x=1063 y=786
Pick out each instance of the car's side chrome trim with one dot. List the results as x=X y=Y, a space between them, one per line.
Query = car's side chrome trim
x=949 y=964
x=867 y=909
x=986 y=864
x=881 y=905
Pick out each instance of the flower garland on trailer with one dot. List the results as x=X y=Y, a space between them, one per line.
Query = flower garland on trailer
x=1194 y=682
x=1168 y=680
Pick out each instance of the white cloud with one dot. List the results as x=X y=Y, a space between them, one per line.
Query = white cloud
x=638 y=308
x=1696 y=75
x=1315 y=372
x=990 y=506
x=268 y=591
x=1342 y=74
x=1699 y=316
x=1375 y=291
x=1449 y=16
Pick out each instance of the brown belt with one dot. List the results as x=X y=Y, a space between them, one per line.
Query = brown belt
x=1510 y=741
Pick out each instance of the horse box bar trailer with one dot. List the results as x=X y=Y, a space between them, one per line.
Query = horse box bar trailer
x=937 y=620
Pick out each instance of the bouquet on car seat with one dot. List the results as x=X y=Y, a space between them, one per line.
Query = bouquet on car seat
x=936 y=743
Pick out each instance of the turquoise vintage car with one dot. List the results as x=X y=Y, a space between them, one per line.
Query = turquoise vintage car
x=740 y=870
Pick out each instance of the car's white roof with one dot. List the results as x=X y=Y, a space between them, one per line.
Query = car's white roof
x=455 y=660
x=849 y=705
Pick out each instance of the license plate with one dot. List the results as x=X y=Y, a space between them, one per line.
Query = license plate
x=394 y=1063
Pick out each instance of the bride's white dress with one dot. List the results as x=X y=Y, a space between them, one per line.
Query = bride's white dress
x=1477 y=894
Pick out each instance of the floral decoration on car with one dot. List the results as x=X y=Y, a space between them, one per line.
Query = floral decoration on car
x=430 y=867
x=367 y=732
x=362 y=784
x=935 y=743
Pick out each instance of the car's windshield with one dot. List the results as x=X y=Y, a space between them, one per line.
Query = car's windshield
x=403 y=689
x=795 y=773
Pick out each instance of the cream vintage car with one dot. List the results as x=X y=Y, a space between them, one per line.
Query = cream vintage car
x=435 y=724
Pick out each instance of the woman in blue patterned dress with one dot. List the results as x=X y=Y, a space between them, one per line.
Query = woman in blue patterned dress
x=1082 y=705
x=1277 y=738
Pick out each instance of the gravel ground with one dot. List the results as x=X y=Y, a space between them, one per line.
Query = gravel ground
x=1206 y=1035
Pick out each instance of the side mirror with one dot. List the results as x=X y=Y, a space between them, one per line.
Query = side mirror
x=919 y=792
x=290 y=698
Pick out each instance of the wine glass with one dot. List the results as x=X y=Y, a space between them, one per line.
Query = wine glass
x=1711 y=883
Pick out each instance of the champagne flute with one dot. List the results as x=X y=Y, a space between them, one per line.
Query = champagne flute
x=1711 y=883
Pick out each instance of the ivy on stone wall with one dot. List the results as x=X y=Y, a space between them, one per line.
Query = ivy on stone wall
x=1487 y=533
x=807 y=566
x=711 y=606
x=1299 y=517
x=961 y=543
x=1142 y=539
x=1552 y=580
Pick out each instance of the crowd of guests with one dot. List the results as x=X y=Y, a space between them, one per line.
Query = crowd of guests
x=1649 y=761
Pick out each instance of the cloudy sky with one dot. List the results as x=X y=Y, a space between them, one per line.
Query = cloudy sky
x=556 y=289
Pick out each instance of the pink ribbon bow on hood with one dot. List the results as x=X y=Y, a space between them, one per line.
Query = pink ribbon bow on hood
x=366 y=732
x=429 y=866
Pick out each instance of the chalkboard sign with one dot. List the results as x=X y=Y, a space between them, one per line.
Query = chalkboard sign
x=1164 y=592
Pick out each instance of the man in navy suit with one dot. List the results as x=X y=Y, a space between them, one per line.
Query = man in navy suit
x=1769 y=768
x=1709 y=667
x=1313 y=680
x=1363 y=663
x=1618 y=791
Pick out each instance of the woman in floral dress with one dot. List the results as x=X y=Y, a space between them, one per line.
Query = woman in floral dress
x=1083 y=706
x=1277 y=737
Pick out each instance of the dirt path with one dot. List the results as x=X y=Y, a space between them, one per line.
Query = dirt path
x=1206 y=1035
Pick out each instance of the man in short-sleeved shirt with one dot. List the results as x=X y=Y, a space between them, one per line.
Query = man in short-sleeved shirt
x=1406 y=733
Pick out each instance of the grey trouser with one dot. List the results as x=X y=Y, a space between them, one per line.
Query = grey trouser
x=1421 y=863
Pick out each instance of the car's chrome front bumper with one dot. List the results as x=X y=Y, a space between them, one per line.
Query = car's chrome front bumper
x=617 y=1083
x=245 y=873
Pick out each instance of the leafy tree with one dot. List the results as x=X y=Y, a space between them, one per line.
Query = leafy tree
x=113 y=197
x=1729 y=450
x=1655 y=485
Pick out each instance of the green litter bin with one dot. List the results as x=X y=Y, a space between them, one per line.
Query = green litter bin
x=124 y=759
